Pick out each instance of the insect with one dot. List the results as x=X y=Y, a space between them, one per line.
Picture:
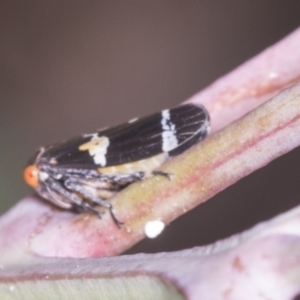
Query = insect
x=85 y=171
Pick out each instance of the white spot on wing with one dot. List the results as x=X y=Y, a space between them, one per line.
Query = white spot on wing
x=12 y=288
x=92 y=135
x=169 y=138
x=154 y=228
x=97 y=148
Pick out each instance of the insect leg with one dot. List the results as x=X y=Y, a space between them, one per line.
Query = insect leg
x=88 y=207
x=97 y=175
x=79 y=188
x=161 y=173
x=71 y=197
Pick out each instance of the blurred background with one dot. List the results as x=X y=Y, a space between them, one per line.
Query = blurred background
x=69 y=67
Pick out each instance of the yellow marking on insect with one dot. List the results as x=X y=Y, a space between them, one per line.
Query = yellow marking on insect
x=145 y=165
x=97 y=148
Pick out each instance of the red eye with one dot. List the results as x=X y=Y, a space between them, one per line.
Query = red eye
x=31 y=176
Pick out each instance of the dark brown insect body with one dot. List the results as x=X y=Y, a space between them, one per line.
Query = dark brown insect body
x=85 y=171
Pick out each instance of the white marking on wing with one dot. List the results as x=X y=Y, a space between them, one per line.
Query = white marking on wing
x=97 y=148
x=169 y=138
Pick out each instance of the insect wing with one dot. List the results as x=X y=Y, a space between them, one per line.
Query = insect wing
x=192 y=124
x=171 y=131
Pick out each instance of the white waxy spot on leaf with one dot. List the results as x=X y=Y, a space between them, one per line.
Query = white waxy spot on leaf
x=154 y=228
